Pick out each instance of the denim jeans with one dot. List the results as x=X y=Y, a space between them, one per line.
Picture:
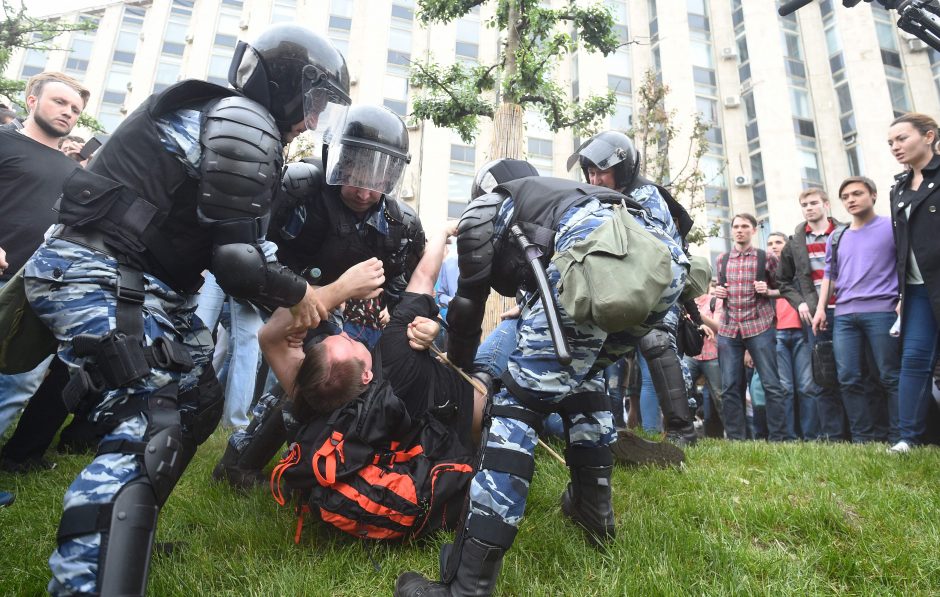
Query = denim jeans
x=712 y=408
x=829 y=407
x=650 y=414
x=852 y=332
x=244 y=351
x=795 y=366
x=16 y=390
x=493 y=354
x=918 y=359
x=763 y=349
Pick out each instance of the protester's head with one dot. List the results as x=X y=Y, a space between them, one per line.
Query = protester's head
x=858 y=195
x=776 y=241
x=743 y=227
x=334 y=372
x=913 y=139
x=6 y=114
x=814 y=203
x=72 y=146
x=55 y=101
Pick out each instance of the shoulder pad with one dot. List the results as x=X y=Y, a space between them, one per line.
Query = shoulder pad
x=241 y=163
x=303 y=179
x=476 y=238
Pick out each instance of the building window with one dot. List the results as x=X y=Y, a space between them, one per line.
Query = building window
x=283 y=11
x=891 y=58
x=460 y=179
x=540 y=155
x=467 y=47
x=341 y=12
x=225 y=40
x=396 y=94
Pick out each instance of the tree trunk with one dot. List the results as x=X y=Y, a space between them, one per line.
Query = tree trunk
x=508 y=122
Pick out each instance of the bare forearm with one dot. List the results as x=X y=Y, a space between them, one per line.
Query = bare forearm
x=825 y=289
x=426 y=273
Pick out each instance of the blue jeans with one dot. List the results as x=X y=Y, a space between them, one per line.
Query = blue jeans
x=763 y=349
x=795 y=366
x=16 y=390
x=918 y=359
x=829 y=407
x=712 y=407
x=493 y=353
x=650 y=415
x=244 y=351
x=850 y=333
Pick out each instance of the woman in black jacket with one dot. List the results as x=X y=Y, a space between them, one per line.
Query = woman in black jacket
x=914 y=210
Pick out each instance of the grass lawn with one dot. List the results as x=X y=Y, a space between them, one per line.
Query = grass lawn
x=739 y=518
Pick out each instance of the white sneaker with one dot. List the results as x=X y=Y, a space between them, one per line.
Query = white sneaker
x=901 y=447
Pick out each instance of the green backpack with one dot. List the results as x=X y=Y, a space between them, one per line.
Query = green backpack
x=615 y=276
x=24 y=340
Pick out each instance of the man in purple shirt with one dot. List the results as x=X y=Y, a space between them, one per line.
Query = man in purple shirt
x=864 y=279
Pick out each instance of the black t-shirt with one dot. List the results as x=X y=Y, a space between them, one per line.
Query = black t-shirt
x=416 y=376
x=31 y=178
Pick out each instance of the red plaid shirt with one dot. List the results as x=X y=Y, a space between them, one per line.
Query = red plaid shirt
x=747 y=312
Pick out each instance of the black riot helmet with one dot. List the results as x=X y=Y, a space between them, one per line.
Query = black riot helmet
x=610 y=149
x=296 y=74
x=497 y=172
x=370 y=151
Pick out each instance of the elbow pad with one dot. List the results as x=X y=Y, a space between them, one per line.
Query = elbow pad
x=464 y=316
x=241 y=271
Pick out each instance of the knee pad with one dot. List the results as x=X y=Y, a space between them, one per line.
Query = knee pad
x=201 y=409
x=655 y=344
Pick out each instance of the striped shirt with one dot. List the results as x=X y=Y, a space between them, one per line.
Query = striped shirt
x=816 y=250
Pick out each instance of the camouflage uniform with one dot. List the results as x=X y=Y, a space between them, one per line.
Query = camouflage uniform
x=533 y=364
x=72 y=289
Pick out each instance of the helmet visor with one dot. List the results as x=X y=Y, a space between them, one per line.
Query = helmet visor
x=600 y=153
x=356 y=164
x=325 y=104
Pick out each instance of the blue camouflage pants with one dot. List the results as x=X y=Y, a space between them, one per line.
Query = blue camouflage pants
x=533 y=366
x=72 y=289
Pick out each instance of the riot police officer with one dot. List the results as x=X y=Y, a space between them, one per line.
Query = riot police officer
x=556 y=214
x=185 y=184
x=328 y=221
x=610 y=160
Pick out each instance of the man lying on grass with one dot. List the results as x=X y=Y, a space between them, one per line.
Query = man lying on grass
x=387 y=439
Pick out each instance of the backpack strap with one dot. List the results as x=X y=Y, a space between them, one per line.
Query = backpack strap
x=834 y=259
x=761 y=265
x=723 y=268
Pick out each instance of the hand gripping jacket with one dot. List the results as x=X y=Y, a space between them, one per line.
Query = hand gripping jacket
x=320 y=237
x=141 y=197
x=487 y=259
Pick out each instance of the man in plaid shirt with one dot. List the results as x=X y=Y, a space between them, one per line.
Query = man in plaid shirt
x=748 y=324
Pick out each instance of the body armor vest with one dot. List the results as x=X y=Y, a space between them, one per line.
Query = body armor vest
x=172 y=244
x=330 y=243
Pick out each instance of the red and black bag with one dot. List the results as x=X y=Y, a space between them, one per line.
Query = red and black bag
x=362 y=481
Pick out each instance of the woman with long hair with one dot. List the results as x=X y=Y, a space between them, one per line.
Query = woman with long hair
x=913 y=139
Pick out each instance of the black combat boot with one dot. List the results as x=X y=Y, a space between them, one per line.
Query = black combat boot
x=588 y=502
x=634 y=450
x=240 y=478
x=475 y=574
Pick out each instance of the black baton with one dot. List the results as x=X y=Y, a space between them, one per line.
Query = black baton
x=533 y=255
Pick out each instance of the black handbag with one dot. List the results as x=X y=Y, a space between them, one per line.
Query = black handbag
x=690 y=340
x=824 y=365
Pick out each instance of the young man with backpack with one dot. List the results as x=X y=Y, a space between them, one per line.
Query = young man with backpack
x=860 y=268
x=370 y=418
x=799 y=276
x=745 y=274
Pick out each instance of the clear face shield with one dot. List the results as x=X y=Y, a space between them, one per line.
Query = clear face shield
x=325 y=105
x=600 y=153
x=366 y=165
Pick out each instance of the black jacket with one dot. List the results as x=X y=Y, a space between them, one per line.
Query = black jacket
x=794 y=272
x=919 y=231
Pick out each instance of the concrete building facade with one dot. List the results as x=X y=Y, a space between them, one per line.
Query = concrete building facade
x=793 y=101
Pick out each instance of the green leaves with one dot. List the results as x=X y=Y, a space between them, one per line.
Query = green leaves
x=457 y=96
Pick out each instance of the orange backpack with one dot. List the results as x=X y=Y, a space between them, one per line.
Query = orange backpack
x=373 y=472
